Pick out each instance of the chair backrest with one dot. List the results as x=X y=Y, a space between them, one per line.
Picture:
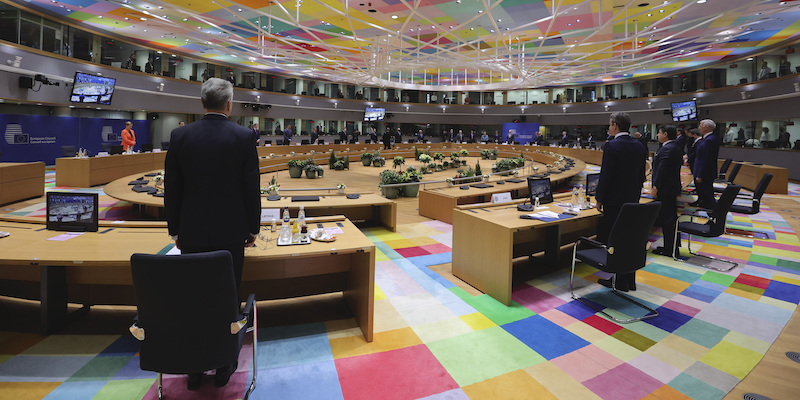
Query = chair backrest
x=629 y=236
x=165 y=145
x=734 y=171
x=725 y=165
x=106 y=146
x=69 y=151
x=762 y=186
x=186 y=304
x=720 y=212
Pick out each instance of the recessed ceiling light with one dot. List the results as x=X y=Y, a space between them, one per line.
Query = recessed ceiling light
x=395 y=17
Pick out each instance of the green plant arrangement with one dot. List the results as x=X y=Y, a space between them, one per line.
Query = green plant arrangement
x=398 y=161
x=478 y=168
x=438 y=156
x=505 y=164
x=425 y=158
x=489 y=154
x=424 y=170
x=410 y=176
x=332 y=160
x=378 y=161
x=417 y=153
x=338 y=165
x=464 y=153
x=366 y=158
x=296 y=168
x=390 y=177
x=313 y=170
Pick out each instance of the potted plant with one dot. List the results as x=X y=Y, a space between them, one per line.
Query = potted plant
x=341 y=188
x=366 y=158
x=398 y=161
x=463 y=153
x=411 y=175
x=272 y=188
x=338 y=165
x=296 y=168
x=390 y=177
x=378 y=161
x=438 y=156
x=425 y=158
x=313 y=170
x=332 y=160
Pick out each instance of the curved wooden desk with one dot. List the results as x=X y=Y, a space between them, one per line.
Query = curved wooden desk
x=368 y=207
x=94 y=267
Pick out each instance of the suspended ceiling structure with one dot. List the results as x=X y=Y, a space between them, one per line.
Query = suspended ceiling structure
x=448 y=44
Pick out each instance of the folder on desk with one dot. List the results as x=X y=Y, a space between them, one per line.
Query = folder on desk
x=305 y=198
x=144 y=189
x=138 y=182
x=546 y=216
x=481 y=185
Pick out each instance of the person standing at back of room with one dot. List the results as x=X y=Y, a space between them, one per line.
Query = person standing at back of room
x=667 y=186
x=705 y=164
x=128 y=136
x=622 y=175
x=212 y=197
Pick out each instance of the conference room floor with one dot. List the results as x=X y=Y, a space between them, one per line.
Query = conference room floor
x=774 y=376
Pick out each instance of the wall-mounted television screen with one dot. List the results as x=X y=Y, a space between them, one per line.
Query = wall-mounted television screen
x=92 y=89
x=684 y=111
x=374 y=114
x=72 y=211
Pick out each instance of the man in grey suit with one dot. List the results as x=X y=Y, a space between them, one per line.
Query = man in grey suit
x=212 y=199
x=621 y=177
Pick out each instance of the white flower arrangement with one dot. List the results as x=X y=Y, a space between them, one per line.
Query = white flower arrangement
x=292 y=153
x=486 y=177
x=312 y=152
x=341 y=186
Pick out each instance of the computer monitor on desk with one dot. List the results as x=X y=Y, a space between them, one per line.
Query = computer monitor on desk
x=591 y=184
x=540 y=187
x=116 y=149
x=72 y=211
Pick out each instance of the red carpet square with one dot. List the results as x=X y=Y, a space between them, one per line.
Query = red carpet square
x=412 y=252
x=408 y=373
x=602 y=325
x=753 y=281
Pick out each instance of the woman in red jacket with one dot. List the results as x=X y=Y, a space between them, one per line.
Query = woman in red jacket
x=128 y=137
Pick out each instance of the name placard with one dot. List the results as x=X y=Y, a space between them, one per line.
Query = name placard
x=504 y=197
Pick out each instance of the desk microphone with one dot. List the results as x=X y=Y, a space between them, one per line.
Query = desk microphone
x=525 y=207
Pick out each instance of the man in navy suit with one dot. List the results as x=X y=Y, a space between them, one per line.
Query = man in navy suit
x=287 y=135
x=212 y=199
x=621 y=177
x=705 y=164
x=667 y=186
x=564 y=139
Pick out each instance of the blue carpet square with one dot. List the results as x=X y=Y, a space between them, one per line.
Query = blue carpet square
x=576 y=310
x=305 y=381
x=701 y=332
x=292 y=345
x=544 y=337
x=75 y=391
x=701 y=293
x=668 y=320
x=783 y=291
x=41 y=369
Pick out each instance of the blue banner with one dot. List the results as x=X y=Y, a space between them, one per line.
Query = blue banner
x=29 y=138
x=523 y=131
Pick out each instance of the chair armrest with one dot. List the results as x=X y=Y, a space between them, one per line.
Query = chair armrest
x=237 y=326
x=248 y=305
x=594 y=243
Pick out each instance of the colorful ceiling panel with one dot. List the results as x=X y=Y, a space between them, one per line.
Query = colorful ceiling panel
x=459 y=44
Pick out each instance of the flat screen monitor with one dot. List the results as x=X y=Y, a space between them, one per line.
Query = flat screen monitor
x=374 y=114
x=684 y=111
x=72 y=211
x=147 y=147
x=116 y=149
x=591 y=184
x=540 y=187
x=92 y=89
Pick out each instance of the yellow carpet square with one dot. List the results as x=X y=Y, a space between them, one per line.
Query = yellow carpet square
x=733 y=359
x=26 y=390
x=477 y=321
x=661 y=282
x=516 y=385
x=559 y=382
x=382 y=341
x=399 y=243
x=71 y=344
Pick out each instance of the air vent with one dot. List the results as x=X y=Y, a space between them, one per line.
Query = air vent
x=753 y=396
x=794 y=356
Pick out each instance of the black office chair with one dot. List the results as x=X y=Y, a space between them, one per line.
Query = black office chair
x=729 y=178
x=755 y=207
x=106 y=146
x=165 y=145
x=320 y=141
x=723 y=169
x=304 y=141
x=714 y=226
x=189 y=319
x=69 y=151
x=626 y=251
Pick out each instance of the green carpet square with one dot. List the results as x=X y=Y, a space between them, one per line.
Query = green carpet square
x=670 y=272
x=716 y=277
x=701 y=332
x=493 y=309
x=133 y=389
x=491 y=352
x=695 y=388
x=100 y=369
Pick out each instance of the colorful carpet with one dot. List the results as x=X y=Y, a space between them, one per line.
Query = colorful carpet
x=435 y=341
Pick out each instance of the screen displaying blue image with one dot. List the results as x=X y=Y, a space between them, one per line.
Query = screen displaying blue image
x=92 y=89
x=374 y=114
x=684 y=111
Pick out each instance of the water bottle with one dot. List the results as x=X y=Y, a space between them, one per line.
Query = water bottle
x=301 y=222
x=286 y=229
x=574 y=199
x=536 y=202
x=582 y=197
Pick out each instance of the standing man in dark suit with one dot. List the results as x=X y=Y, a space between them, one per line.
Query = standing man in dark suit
x=373 y=136
x=420 y=136
x=621 y=178
x=460 y=136
x=314 y=135
x=691 y=151
x=667 y=186
x=564 y=139
x=212 y=200
x=287 y=135
x=343 y=136
x=398 y=136
x=705 y=164
x=387 y=140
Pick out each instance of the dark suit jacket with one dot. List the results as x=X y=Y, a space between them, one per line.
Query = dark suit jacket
x=314 y=137
x=564 y=140
x=287 y=135
x=622 y=173
x=387 y=138
x=212 y=194
x=667 y=170
x=691 y=152
x=705 y=162
x=343 y=136
x=373 y=136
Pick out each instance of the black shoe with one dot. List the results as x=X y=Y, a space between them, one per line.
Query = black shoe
x=194 y=381
x=224 y=374
x=607 y=283
x=663 y=251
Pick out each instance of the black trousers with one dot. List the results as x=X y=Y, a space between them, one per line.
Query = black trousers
x=667 y=218
x=237 y=253
x=705 y=192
